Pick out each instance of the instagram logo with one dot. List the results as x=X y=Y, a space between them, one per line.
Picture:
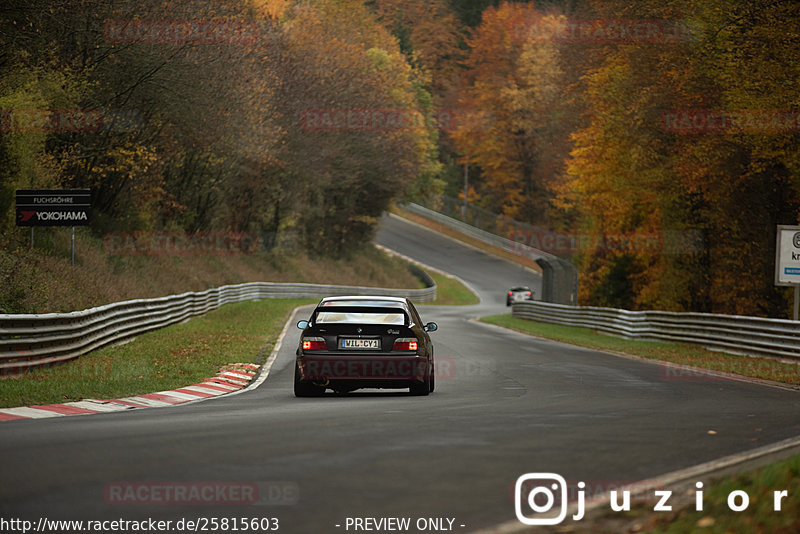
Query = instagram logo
x=542 y=489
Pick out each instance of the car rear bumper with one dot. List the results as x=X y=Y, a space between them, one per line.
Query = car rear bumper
x=364 y=370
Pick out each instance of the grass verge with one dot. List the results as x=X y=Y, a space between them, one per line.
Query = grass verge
x=43 y=280
x=451 y=292
x=458 y=236
x=760 y=516
x=692 y=359
x=175 y=356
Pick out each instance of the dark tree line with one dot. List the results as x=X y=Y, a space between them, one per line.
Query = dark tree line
x=205 y=131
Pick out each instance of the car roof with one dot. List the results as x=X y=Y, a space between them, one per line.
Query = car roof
x=520 y=288
x=364 y=300
x=401 y=300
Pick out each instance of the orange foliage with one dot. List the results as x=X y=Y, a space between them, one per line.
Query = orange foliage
x=509 y=112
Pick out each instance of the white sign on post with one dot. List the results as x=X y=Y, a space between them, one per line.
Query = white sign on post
x=787 y=256
x=787 y=262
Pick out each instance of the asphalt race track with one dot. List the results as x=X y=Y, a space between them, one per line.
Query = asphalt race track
x=505 y=404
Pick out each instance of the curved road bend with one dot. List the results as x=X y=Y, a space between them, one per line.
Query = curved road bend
x=508 y=404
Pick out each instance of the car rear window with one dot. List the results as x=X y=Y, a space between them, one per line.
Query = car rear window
x=364 y=317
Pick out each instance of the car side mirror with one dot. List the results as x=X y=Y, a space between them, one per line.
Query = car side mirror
x=302 y=325
x=431 y=327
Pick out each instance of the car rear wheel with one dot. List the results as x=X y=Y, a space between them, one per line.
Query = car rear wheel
x=422 y=388
x=303 y=388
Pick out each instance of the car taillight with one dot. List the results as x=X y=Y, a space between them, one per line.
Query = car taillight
x=314 y=343
x=405 y=343
x=510 y=293
x=528 y=293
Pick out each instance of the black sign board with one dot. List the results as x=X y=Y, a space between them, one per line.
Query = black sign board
x=53 y=207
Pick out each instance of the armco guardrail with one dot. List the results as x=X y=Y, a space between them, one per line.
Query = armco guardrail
x=731 y=333
x=28 y=341
x=559 y=277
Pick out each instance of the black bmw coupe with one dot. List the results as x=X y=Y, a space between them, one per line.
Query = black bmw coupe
x=357 y=342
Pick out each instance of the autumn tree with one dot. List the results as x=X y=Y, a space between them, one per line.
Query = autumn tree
x=512 y=112
x=210 y=135
x=336 y=58
x=429 y=34
x=720 y=191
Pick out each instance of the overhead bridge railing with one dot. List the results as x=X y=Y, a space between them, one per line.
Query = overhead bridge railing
x=28 y=341
x=735 y=334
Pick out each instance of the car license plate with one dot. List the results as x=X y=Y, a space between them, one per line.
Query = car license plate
x=360 y=344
